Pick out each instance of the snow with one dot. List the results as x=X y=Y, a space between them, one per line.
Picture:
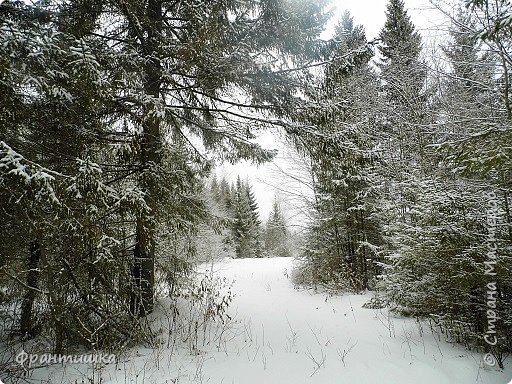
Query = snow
x=11 y=162
x=282 y=335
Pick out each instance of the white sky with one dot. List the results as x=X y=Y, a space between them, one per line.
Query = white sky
x=370 y=14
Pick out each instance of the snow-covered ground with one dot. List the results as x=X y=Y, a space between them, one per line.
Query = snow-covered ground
x=280 y=335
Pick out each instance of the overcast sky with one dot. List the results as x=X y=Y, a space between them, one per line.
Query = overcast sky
x=370 y=14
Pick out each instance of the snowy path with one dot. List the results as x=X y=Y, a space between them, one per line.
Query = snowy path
x=285 y=336
x=299 y=337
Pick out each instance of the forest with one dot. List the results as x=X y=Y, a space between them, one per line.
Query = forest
x=114 y=116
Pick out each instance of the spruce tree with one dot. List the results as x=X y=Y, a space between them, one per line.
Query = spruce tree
x=276 y=233
x=246 y=223
x=406 y=163
x=468 y=96
x=215 y=189
x=343 y=235
x=404 y=101
x=437 y=267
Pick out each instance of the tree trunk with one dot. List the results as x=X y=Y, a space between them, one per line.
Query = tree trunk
x=26 y=321
x=143 y=268
x=143 y=273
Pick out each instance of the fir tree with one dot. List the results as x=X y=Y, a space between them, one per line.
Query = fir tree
x=405 y=162
x=106 y=97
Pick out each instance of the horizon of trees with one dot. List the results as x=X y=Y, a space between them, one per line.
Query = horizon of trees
x=247 y=234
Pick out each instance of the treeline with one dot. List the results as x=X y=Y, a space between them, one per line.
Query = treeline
x=237 y=204
x=411 y=165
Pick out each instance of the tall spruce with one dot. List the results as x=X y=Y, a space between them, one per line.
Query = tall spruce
x=403 y=77
x=343 y=235
x=404 y=130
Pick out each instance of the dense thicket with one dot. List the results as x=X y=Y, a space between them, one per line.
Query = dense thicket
x=411 y=172
x=100 y=179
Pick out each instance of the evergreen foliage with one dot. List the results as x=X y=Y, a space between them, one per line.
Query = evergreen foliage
x=100 y=182
x=246 y=224
x=452 y=214
x=276 y=233
x=112 y=115
x=440 y=270
x=343 y=237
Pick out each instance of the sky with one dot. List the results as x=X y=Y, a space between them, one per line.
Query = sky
x=265 y=179
x=371 y=14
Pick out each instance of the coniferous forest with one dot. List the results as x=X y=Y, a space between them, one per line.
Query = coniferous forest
x=115 y=114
